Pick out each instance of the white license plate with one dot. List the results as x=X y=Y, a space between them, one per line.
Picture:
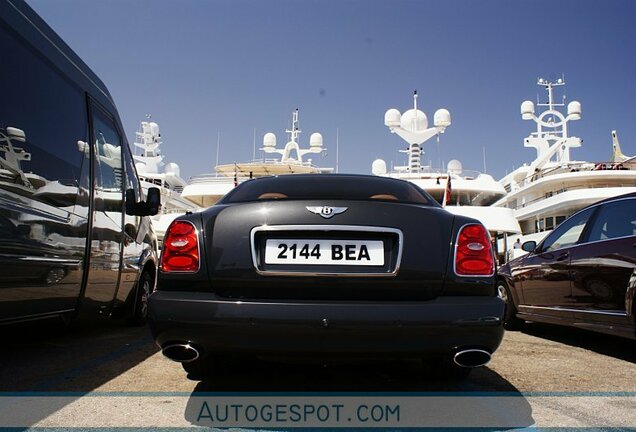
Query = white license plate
x=325 y=252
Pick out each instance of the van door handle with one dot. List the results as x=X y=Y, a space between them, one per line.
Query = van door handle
x=563 y=256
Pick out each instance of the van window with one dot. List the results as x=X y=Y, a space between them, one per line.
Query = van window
x=42 y=129
x=131 y=174
x=109 y=181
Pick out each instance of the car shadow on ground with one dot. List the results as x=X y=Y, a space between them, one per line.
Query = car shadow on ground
x=290 y=375
x=47 y=358
x=613 y=346
x=364 y=378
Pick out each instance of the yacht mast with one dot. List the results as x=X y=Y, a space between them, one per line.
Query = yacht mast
x=412 y=127
x=551 y=139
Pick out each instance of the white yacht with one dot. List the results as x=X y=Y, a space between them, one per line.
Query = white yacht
x=552 y=187
x=153 y=172
x=207 y=189
x=471 y=192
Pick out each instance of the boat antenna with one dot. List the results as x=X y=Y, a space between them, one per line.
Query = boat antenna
x=439 y=154
x=254 y=145
x=295 y=131
x=218 y=146
x=337 y=147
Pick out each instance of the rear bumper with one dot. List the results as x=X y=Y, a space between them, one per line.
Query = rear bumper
x=430 y=328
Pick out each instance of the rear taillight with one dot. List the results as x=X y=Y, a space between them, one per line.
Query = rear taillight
x=473 y=253
x=180 y=248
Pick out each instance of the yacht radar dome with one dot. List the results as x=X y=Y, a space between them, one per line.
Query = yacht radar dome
x=527 y=110
x=442 y=118
x=414 y=120
x=574 y=110
x=315 y=140
x=173 y=169
x=378 y=167
x=392 y=118
x=455 y=167
x=269 y=140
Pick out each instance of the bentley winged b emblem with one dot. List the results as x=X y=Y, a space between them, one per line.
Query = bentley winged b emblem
x=326 y=211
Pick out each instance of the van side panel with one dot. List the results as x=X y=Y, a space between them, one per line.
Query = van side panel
x=66 y=244
x=44 y=183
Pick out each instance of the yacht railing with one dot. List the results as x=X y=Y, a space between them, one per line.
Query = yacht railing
x=577 y=167
x=272 y=162
x=241 y=175
x=175 y=211
x=443 y=174
x=211 y=178
x=570 y=188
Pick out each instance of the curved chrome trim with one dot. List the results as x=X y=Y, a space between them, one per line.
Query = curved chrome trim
x=186 y=347
x=52 y=260
x=32 y=317
x=455 y=252
x=460 y=353
x=354 y=228
x=196 y=231
x=563 y=309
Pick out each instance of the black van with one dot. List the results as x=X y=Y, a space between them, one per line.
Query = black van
x=75 y=236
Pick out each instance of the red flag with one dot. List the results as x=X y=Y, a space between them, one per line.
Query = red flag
x=447 y=192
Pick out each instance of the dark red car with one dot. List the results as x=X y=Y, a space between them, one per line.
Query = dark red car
x=583 y=274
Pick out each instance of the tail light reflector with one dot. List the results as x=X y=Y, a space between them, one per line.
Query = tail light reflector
x=473 y=252
x=180 y=248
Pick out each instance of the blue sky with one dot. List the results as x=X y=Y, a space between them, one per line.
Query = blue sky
x=232 y=66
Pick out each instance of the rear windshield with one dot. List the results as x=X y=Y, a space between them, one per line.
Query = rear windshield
x=328 y=187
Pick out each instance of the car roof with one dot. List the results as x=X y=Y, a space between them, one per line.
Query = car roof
x=327 y=177
x=329 y=186
x=21 y=18
x=616 y=198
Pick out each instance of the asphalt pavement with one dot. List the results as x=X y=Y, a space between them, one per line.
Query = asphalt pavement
x=104 y=357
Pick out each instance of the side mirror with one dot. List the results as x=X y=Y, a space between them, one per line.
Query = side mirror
x=150 y=207
x=153 y=201
x=529 y=246
x=131 y=202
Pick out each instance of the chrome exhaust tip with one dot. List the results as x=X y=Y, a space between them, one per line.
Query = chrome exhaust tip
x=181 y=352
x=471 y=358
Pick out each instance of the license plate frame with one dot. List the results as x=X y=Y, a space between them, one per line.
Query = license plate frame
x=393 y=237
x=325 y=252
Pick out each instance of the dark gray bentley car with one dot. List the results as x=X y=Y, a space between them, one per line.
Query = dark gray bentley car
x=327 y=265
